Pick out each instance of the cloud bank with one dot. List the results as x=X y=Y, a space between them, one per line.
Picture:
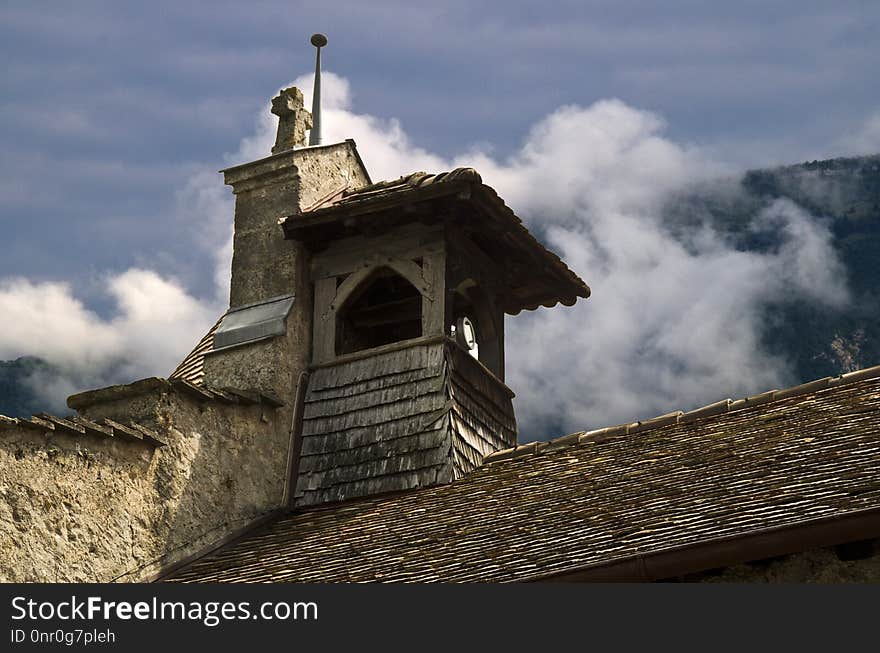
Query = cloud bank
x=673 y=322
x=153 y=321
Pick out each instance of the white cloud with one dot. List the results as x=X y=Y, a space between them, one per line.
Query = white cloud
x=153 y=322
x=384 y=146
x=666 y=328
x=157 y=320
x=46 y=320
x=669 y=324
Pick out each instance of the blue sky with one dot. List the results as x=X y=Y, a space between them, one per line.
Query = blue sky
x=110 y=110
x=106 y=105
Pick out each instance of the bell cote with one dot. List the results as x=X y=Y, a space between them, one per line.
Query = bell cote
x=424 y=256
x=411 y=281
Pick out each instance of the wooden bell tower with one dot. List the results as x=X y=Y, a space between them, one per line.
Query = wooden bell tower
x=411 y=281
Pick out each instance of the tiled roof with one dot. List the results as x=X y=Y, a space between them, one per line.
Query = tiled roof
x=538 y=277
x=776 y=462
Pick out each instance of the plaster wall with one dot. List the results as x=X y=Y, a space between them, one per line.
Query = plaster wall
x=84 y=508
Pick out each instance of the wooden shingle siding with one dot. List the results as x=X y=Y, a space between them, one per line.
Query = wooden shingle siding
x=482 y=418
x=361 y=414
x=400 y=379
x=374 y=425
x=411 y=417
x=410 y=359
x=385 y=396
x=329 y=443
x=363 y=454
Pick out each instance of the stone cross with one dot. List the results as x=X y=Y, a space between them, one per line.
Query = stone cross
x=293 y=119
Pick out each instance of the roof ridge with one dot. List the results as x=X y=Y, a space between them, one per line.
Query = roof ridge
x=681 y=417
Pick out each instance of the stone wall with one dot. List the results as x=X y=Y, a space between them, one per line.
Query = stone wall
x=85 y=508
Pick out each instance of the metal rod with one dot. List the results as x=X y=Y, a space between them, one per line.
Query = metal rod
x=319 y=41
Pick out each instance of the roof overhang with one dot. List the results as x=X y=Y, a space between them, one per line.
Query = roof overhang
x=533 y=275
x=717 y=553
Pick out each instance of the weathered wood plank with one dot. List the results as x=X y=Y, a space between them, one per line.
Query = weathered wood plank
x=490 y=413
x=412 y=442
x=460 y=465
x=474 y=373
x=465 y=459
x=477 y=436
x=471 y=262
x=492 y=434
x=324 y=348
x=433 y=306
x=346 y=255
x=371 y=486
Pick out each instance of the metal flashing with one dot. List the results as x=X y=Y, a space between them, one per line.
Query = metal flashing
x=253 y=322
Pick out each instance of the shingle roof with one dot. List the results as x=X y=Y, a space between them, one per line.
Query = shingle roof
x=536 y=276
x=192 y=367
x=736 y=468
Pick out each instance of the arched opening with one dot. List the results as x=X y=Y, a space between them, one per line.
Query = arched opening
x=385 y=308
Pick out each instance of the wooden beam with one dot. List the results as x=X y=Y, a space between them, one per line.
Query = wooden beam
x=434 y=305
x=325 y=320
x=351 y=254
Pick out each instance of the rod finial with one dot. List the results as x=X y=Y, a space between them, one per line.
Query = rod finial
x=319 y=41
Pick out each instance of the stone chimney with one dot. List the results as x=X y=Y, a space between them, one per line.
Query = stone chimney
x=264 y=340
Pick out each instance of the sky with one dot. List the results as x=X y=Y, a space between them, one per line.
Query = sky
x=583 y=115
